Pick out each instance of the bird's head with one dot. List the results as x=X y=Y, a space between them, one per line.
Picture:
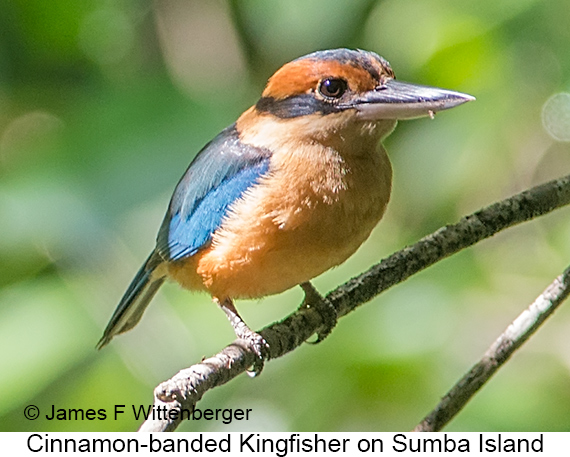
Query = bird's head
x=329 y=91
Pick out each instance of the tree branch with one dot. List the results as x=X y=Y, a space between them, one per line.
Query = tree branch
x=499 y=352
x=186 y=388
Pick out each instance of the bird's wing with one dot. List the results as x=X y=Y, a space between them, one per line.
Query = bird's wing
x=222 y=171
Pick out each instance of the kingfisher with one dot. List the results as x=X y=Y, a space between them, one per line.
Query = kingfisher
x=288 y=191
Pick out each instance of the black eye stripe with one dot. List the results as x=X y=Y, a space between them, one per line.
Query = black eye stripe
x=298 y=105
x=330 y=90
x=333 y=87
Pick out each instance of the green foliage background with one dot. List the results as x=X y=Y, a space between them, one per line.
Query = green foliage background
x=104 y=103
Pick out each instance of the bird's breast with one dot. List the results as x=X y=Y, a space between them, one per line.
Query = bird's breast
x=313 y=209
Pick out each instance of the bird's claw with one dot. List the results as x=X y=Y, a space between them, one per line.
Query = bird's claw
x=325 y=308
x=253 y=339
x=260 y=348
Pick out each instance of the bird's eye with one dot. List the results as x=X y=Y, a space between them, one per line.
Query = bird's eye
x=332 y=87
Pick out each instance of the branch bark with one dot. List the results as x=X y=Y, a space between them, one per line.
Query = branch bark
x=187 y=387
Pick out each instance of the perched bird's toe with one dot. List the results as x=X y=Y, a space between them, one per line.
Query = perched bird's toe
x=254 y=340
x=261 y=349
x=323 y=306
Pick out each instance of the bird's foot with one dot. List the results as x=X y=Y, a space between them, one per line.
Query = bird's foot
x=313 y=299
x=259 y=346
x=254 y=340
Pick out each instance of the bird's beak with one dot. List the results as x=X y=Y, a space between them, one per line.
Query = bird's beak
x=400 y=100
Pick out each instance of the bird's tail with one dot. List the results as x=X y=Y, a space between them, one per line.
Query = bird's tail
x=136 y=299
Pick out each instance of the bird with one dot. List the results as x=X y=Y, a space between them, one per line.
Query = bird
x=288 y=191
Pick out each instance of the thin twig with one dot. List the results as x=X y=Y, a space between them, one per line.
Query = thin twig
x=186 y=388
x=499 y=352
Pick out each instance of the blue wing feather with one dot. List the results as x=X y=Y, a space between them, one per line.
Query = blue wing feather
x=223 y=170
